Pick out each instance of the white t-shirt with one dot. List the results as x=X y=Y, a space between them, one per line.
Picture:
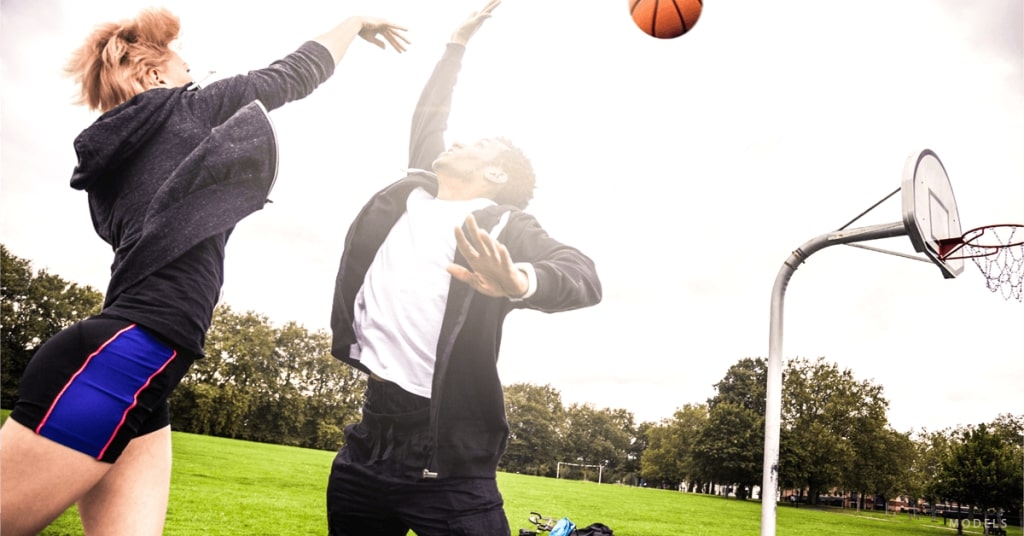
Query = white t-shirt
x=400 y=307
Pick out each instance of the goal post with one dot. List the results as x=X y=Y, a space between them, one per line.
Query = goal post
x=600 y=469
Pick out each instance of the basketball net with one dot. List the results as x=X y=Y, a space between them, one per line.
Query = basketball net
x=998 y=251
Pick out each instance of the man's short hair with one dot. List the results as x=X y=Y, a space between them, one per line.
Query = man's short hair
x=518 y=191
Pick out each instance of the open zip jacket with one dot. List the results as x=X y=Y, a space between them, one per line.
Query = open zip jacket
x=467 y=411
x=173 y=167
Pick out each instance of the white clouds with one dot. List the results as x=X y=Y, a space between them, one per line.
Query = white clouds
x=688 y=169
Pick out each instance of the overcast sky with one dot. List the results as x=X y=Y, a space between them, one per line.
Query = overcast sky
x=688 y=169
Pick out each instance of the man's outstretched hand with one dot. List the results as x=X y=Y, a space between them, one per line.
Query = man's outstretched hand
x=472 y=24
x=492 y=271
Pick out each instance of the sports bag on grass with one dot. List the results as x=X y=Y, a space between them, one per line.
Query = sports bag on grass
x=594 y=529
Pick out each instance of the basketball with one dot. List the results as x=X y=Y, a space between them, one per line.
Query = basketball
x=665 y=19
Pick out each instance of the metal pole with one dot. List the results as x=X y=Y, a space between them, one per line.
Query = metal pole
x=773 y=402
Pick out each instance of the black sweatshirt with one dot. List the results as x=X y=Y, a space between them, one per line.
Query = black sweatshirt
x=169 y=173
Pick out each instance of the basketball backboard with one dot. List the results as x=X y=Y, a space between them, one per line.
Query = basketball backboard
x=929 y=209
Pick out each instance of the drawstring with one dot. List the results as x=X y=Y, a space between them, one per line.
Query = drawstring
x=385 y=440
x=390 y=440
x=396 y=421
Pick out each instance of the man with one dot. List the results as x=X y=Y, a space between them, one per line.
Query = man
x=420 y=309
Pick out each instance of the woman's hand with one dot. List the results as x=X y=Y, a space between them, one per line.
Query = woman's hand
x=373 y=29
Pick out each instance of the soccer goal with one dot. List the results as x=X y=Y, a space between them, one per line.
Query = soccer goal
x=585 y=466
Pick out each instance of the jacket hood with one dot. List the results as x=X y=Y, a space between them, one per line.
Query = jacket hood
x=117 y=134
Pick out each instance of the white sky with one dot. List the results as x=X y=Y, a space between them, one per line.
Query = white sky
x=688 y=169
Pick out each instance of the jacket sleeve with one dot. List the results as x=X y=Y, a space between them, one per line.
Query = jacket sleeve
x=430 y=119
x=566 y=278
x=289 y=79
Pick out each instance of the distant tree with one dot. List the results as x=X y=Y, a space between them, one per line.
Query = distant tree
x=744 y=385
x=1009 y=428
x=822 y=411
x=535 y=417
x=883 y=460
x=730 y=447
x=661 y=461
x=597 y=436
x=220 y=395
x=34 y=306
x=333 y=391
x=980 y=471
x=931 y=448
x=635 y=453
x=1010 y=431
x=267 y=384
x=669 y=455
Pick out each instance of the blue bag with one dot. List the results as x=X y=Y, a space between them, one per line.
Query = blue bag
x=564 y=527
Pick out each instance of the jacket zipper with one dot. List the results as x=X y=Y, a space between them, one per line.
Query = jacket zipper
x=495 y=231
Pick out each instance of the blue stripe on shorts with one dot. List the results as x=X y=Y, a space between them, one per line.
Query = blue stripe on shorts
x=92 y=407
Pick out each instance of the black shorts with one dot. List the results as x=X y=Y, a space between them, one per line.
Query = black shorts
x=98 y=384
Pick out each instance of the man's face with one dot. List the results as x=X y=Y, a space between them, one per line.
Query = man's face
x=470 y=161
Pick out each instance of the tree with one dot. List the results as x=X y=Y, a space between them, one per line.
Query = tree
x=635 y=454
x=883 y=461
x=730 y=447
x=931 y=448
x=1010 y=430
x=823 y=409
x=535 y=416
x=235 y=373
x=598 y=437
x=261 y=383
x=744 y=385
x=34 y=307
x=333 y=391
x=980 y=471
x=669 y=456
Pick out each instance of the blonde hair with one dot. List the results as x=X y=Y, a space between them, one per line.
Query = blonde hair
x=111 y=66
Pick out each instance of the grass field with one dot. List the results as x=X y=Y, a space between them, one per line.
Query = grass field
x=223 y=487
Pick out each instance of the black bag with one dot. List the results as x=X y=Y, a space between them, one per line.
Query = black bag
x=594 y=529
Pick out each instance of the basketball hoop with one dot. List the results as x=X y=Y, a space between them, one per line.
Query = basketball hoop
x=998 y=250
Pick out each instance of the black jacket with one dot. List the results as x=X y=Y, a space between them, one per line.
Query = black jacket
x=170 y=172
x=467 y=410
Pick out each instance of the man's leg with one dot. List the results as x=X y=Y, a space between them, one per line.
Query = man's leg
x=357 y=504
x=453 y=507
x=132 y=497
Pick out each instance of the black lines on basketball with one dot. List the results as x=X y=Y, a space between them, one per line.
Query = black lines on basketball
x=665 y=19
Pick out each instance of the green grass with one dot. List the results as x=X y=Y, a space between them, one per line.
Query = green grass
x=224 y=487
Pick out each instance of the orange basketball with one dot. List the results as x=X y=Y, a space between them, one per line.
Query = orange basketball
x=665 y=19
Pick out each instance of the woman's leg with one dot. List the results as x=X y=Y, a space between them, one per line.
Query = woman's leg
x=40 y=479
x=132 y=497
x=91 y=394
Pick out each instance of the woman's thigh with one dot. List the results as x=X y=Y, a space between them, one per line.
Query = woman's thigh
x=132 y=497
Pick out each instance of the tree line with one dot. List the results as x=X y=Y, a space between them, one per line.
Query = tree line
x=835 y=439
x=279 y=384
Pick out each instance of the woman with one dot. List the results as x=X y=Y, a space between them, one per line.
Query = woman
x=169 y=170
